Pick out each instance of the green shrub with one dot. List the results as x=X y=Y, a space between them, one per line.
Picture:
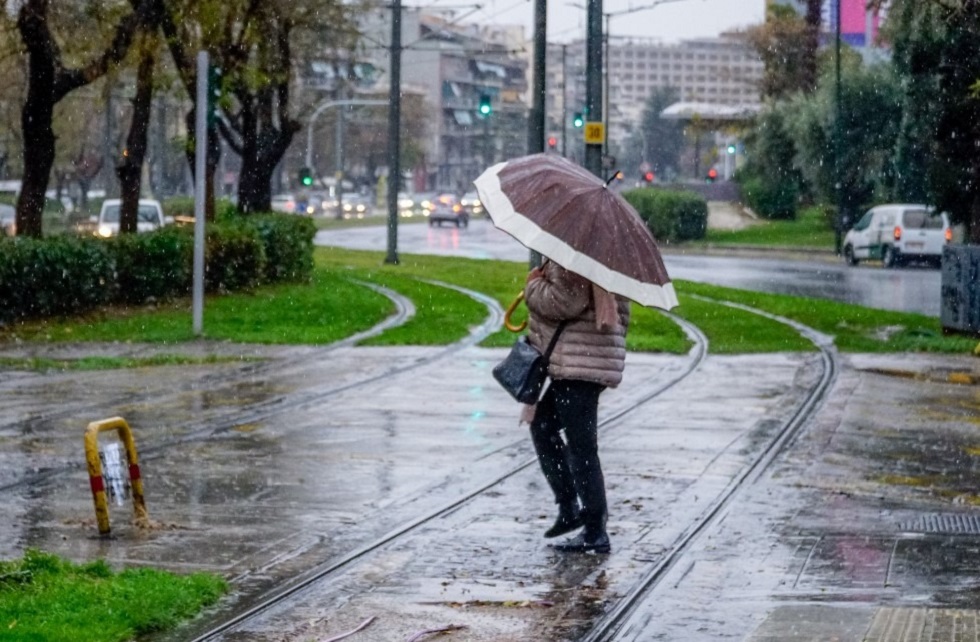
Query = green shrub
x=288 y=243
x=57 y=276
x=156 y=265
x=770 y=199
x=235 y=257
x=178 y=206
x=671 y=215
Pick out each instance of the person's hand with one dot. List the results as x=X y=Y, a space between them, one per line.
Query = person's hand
x=536 y=273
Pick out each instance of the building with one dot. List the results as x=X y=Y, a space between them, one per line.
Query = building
x=456 y=66
x=716 y=71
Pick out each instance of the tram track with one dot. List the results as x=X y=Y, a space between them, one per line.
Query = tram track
x=612 y=622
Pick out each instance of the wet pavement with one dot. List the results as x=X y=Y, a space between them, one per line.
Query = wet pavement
x=864 y=529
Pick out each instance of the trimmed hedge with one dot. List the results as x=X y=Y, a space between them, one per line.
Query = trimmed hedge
x=671 y=215
x=772 y=200
x=68 y=275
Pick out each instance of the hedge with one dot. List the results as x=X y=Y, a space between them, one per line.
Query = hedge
x=772 y=200
x=68 y=275
x=671 y=215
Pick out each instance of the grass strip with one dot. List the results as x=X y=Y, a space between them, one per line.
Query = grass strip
x=733 y=331
x=327 y=309
x=810 y=229
x=46 y=364
x=854 y=328
x=43 y=597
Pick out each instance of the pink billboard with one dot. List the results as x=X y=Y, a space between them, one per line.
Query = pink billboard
x=859 y=27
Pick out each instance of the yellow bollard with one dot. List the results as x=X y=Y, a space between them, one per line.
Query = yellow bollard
x=95 y=470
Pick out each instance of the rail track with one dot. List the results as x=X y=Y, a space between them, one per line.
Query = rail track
x=617 y=619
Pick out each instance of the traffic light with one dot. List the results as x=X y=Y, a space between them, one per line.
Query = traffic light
x=214 y=94
x=305 y=176
x=485 y=107
x=552 y=142
x=648 y=176
x=577 y=119
x=731 y=148
x=712 y=175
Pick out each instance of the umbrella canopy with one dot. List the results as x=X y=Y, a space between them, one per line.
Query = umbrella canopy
x=559 y=209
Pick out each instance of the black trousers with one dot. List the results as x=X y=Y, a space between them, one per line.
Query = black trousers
x=571 y=465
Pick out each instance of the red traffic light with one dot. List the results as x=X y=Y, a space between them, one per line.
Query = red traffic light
x=552 y=142
x=648 y=177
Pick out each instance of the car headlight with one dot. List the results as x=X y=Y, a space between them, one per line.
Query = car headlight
x=105 y=231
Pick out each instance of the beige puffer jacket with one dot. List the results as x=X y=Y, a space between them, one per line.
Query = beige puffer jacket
x=584 y=351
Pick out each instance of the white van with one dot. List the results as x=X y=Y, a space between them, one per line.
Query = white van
x=149 y=217
x=896 y=233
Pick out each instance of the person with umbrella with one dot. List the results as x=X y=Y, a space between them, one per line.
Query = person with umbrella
x=599 y=254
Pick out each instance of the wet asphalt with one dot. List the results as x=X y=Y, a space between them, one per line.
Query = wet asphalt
x=864 y=528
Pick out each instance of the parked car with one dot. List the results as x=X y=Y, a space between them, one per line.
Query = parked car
x=149 y=217
x=447 y=209
x=896 y=233
x=8 y=220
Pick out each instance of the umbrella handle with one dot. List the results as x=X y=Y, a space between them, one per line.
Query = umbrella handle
x=510 y=310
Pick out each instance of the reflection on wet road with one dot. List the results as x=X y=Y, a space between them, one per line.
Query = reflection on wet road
x=910 y=289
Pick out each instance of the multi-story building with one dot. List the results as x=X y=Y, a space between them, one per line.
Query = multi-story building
x=716 y=71
x=455 y=67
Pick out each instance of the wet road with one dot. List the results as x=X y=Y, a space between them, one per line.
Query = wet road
x=909 y=289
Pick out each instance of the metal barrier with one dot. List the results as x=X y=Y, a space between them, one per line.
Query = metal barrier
x=95 y=472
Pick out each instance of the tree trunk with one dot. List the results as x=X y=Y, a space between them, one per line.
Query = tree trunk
x=808 y=73
x=36 y=117
x=130 y=169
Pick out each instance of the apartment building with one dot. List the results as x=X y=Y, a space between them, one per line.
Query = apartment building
x=716 y=71
x=455 y=67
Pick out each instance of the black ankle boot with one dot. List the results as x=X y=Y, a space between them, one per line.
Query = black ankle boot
x=584 y=542
x=568 y=520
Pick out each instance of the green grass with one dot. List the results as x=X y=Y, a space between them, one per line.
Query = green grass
x=46 y=599
x=334 y=306
x=854 y=328
x=44 y=364
x=329 y=222
x=328 y=309
x=809 y=230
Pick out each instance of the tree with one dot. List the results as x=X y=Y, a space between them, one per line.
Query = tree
x=787 y=45
x=49 y=81
x=937 y=55
x=662 y=139
x=870 y=111
x=253 y=42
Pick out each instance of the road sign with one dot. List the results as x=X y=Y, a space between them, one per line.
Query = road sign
x=595 y=133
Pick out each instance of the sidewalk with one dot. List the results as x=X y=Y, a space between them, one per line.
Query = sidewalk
x=866 y=526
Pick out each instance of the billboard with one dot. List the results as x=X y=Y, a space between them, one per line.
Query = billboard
x=859 y=26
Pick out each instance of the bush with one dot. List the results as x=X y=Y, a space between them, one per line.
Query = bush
x=671 y=215
x=235 y=258
x=770 y=199
x=71 y=274
x=57 y=276
x=288 y=243
x=157 y=265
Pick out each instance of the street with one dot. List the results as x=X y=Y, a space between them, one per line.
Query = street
x=910 y=289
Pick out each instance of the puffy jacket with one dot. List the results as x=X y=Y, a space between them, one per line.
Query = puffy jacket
x=584 y=351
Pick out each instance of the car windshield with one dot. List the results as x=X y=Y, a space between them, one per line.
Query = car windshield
x=146 y=214
x=922 y=220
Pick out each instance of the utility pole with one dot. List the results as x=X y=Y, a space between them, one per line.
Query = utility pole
x=535 y=123
x=564 y=101
x=837 y=139
x=394 y=130
x=593 y=82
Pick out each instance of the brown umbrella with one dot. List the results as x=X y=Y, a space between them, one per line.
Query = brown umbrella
x=559 y=209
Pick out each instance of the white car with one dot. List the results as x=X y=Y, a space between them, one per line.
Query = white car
x=149 y=217
x=284 y=203
x=895 y=233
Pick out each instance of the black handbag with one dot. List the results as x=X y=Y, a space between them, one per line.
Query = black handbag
x=523 y=371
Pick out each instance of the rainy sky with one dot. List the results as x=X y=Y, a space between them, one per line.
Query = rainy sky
x=671 y=21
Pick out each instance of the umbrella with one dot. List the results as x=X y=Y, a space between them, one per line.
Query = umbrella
x=559 y=209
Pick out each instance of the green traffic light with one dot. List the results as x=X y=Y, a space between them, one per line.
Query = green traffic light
x=578 y=120
x=485 y=106
x=307 y=180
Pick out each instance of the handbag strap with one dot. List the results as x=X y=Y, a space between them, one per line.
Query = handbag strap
x=554 y=339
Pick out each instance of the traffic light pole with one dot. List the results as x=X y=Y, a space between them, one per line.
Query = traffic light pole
x=593 y=82
x=394 y=130
x=535 y=123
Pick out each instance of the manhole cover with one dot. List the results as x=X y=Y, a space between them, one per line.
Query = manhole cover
x=953 y=524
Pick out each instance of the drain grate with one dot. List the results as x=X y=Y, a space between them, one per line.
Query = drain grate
x=949 y=524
